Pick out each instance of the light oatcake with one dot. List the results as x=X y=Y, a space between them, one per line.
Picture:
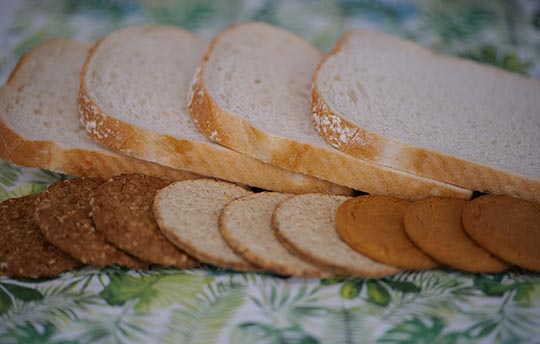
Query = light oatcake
x=188 y=214
x=246 y=225
x=306 y=225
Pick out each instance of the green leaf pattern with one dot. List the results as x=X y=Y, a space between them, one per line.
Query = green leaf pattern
x=207 y=305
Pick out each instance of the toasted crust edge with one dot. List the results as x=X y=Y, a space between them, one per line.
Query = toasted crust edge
x=371 y=146
x=82 y=162
x=190 y=155
x=237 y=133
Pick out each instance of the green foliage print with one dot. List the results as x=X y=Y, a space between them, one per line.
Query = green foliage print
x=152 y=292
x=490 y=54
x=118 y=325
x=287 y=308
x=36 y=309
x=20 y=191
x=202 y=319
x=420 y=330
x=376 y=290
x=9 y=173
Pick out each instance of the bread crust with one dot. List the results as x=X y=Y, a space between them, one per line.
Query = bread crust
x=373 y=147
x=73 y=161
x=233 y=131
x=200 y=157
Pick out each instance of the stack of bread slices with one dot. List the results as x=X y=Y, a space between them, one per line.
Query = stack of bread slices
x=262 y=108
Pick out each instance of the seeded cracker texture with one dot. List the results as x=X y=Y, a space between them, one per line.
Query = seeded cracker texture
x=121 y=209
x=24 y=252
x=63 y=216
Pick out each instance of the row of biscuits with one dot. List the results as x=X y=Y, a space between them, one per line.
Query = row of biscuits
x=137 y=220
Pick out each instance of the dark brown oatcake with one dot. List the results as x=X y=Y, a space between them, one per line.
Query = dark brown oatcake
x=63 y=216
x=121 y=209
x=24 y=252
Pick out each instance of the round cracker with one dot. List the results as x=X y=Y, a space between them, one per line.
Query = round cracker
x=24 y=252
x=434 y=225
x=121 y=209
x=305 y=225
x=188 y=213
x=63 y=216
x=373 y=225
x=506 y=226
x=246 y=225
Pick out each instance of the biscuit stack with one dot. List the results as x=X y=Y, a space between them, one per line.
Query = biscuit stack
x=136 y=221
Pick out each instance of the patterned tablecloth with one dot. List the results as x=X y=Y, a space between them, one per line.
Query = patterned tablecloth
x=209 y=305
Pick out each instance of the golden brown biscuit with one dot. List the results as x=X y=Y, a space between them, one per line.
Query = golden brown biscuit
x=373 y=226
x=121 y=209
x=506 y=226
x=434 y=225
x=63 y=216
x=24 y=252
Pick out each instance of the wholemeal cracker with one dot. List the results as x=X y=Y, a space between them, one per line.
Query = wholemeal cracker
x=63 y=216
x=121 y=209
x=24 y=252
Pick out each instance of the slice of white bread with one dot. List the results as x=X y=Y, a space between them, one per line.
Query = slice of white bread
x=39 y=125
x=187 y=212
x=132 y=99
x=246 y=225
x=306 y=224
x=252 y=94
x=397 y=104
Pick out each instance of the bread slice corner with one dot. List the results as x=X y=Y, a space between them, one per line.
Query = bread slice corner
x=392 y=102
x=39 y=126
x=251 y=94
x=132 y=99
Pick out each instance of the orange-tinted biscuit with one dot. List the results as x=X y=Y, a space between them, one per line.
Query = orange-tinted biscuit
x=373 y=226
x=24 y=252
x=434 y=225
x=507 y=227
